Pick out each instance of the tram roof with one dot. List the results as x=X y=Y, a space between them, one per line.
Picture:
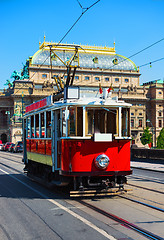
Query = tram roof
x=82 y=101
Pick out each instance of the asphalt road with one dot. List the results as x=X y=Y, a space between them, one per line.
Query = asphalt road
x=30 y=211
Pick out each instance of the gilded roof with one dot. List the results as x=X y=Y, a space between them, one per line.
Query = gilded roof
x=89 y=57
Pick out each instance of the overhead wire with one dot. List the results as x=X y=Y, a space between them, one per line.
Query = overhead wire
x=84 y=10
x=149 y=63
x=137 y=54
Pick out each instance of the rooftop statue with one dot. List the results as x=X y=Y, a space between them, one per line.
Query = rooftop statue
x=9 y=83
x=24 y=74
x=16 y=75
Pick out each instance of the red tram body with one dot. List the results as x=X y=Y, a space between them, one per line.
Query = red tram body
x=78 y=140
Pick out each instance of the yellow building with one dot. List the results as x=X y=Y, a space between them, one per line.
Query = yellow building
x=89 y=67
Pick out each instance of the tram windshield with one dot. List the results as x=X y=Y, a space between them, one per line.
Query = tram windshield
x=97 y=120
x=101 y=121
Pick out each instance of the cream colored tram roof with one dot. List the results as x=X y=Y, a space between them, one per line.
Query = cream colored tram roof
x=84 y=101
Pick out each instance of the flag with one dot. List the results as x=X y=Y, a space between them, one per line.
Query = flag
x=110 y=88
x=100 y=88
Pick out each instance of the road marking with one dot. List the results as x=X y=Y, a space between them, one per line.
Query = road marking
x=57 y=208
x=141 y=176
x=101 y=231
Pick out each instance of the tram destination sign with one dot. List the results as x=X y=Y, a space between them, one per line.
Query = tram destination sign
x=39 y=104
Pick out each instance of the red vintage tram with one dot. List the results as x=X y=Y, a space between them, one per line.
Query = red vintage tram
x=84 y=142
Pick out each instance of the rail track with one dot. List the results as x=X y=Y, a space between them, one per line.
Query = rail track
x=119 y=220
x=121 y=196
x=122 y=221
x=145 y=188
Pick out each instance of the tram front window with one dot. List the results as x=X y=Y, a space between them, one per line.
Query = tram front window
x=75 y=123
x=101 y=121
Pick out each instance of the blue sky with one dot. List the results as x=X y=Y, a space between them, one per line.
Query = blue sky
x=133 y=25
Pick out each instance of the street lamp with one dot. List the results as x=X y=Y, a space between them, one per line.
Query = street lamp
x=8 y=114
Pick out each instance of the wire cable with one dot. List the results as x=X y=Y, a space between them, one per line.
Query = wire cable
x=83 y=12
x=151 y=62
x=139 y=51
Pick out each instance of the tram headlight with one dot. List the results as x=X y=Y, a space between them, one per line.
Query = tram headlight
x=102 y=161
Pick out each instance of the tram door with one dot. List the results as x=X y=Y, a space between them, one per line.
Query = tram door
x=56 y=140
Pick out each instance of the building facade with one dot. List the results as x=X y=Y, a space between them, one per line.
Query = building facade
x=91 y=67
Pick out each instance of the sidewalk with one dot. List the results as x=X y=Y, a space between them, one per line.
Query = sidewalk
x=147 y=165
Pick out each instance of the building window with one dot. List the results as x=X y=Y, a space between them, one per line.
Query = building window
x=55 y=76
x=160 y=105
x=97 y=79
x=76 y=77
x=107 y=79
x=160 y=123
x=140 y=114
x=38 y=86
x=116 y=79
x=126 y=80
x=95 y=60
x=140 y=123
x=132 y=123
x=132 y=114
x=86 y=78
x=44 y=75
x=160 y=113
x=159 y=92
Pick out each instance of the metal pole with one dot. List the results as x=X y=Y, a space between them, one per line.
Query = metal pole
x=22 y=113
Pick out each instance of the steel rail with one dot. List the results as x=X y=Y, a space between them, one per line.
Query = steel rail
x=142 y=203
x=122 y=221
x=111 y=216
x=145 y=188
x=155 y=180
x=10 y=154
x=12 y=160
x=14 y=169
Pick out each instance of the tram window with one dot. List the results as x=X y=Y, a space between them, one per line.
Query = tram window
x=110 y=123
x=32 y=126
x=48 y=124
x=72 y=121
x=101 y=121
x=28 y=127
x=75 y=123
x=42 y=126
x=37 y=125
x=125 y=122
x=58 y=124
x=64 y=122
x=79 y=121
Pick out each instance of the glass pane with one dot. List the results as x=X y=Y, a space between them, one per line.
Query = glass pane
x=37 y=125
x=48 y=124
x=72 y=120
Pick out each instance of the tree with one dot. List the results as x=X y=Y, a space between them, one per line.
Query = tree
x=160 y=139
x=146 y=137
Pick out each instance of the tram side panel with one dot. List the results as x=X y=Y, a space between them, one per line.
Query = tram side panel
x=39 y=150
x=78 y=156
